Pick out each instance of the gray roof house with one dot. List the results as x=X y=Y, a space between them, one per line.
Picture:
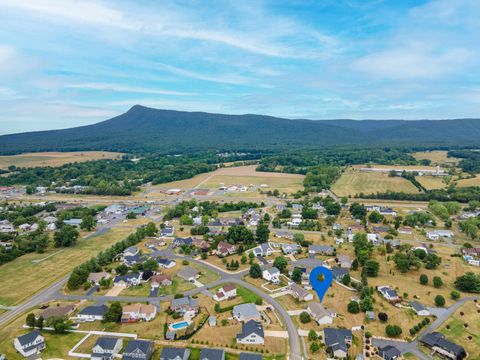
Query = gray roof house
x=183 y=305
x=337 y=341
x=92 y=313
x=29 y=344
x=250 y=356
x=188 y=273
x=106 y=348
x=167 y=231
x=437 y=342
x=212 y=354
x=420 y=309
x=246 y=312
x=170 y=353
x=252 y=333
x=389 y=352
x=138 y=350
x=339 y=273
x=320 y=249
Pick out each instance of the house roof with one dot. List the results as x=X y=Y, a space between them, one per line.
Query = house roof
x=172 y=353
x=317 y=310
x=137 y=347
x=212 y=354
x=97 y=276
x=160 y=278
x=417 y=306
x=57 y=311
x=187 y=272
x=251 y=327
x=246 y=310
x=185 y=301
x=390 y=352
x=127 y=278
x=437 y=339
x=273 y=271
x=107 y=343
x=164 y=261
x=28 y=338
x=339 y=273
x=184 y=241
x=250 y=356
x=229 y=287
x=95 y=310
x=139 y=308
x=335 y=338
x=298 y=290
x=320 y=248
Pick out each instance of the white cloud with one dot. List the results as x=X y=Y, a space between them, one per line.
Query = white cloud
x=126 y=89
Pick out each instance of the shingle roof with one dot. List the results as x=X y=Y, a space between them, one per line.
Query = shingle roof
x=250 y=356
x=246 y=310
x=96 y=310
x=28 y=338
x=212 y=354
x=171 y=353
x=437 y=339
x=106 y=343
x=251 y=327
x=335 y=338
x=390 y=352
x=417 y=306
x=137 y=346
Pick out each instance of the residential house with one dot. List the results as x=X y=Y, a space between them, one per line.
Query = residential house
x=130 y=279
x=96 y=277
x=337 y=341
x=158 y=242
x=56 y=311
x=263 y=249
x=394 y=243
x=420 y=309
x=201 y=244
x=166 y=263
x=432 y=235
x=370 y=315
x=106 y=348
x=170 y=353
x=389 y=352
x=185 y=305
x=387 y=211
x=405 y=230
x=228 y=291
x=246 y=312
x=182 y=242
x=189 y=273
x=380 y=229
x=224 y=248
x=338 y=273
x=134 y=259
x=296 y=220
x=319 y=314
x=437 y=234
x=298 y=292
x=321 y=249
x=344 y=261
x=446 y=348
x=92 y=313
x=130 y=251
x=73 y=222
x=272 y=275
x=138 y=350
x=290 y=248
x=297 y=208
x=250 y=356
x=339 y=240
x=138 y=311
x=29 y=344
x=373 y=238
x=167 y=231
x=356 y=228
x=160 y=280
x=252 y=333
x=424 y=248
x=388 y=293
x=284 y=234
x=212 y=354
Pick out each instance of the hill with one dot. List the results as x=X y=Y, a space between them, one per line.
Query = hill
x=146 y=129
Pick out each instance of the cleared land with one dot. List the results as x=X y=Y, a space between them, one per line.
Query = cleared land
x=431 y=182
x=436 y=157
x=353 y=182
x=475 y=181
x=469 y=337
x=54 y=158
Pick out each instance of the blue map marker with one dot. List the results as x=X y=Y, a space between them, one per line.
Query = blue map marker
x=320 y=279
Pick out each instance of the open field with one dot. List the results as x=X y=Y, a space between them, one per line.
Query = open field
x=431 y=182
x=242 y=175
x=436 y=157
x=475 y=181
x=353 y=182
x=54 y=158
x=406 y=167
x=22 y=277
x=468 y=337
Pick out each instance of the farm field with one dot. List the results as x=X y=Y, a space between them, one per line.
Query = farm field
x=353 y=182
x=468 y=337
x=26 y=275
x=475 y=181
x=431 y=182
x=54 y=158
x=436 y=157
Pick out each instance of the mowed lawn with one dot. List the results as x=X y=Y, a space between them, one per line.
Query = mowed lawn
x=54 y=158
x=26 y=275
x=353 y=182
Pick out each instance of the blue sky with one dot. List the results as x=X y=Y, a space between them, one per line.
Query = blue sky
x=66 y=63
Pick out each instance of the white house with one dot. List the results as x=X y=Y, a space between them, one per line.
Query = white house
x=92 y=313
x=29 y=344
x=388 y=293
x=138 y=311
x=252 y=333
x=420 y=309
x=372 y=237
x=106 y=348
x=318 y=312
x=272 y=275
x=226 y=292
x=432 y=235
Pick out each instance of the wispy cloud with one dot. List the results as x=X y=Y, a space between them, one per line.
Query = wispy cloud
x=126 y=89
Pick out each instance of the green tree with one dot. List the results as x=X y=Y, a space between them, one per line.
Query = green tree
x=114 y=313
x=375 y=217
x=423 y=279
x=469 y=282
x=305 y=317
x=150 y=229
x=255 y=271
x=121 y=269
x=393 y=330
x=455 y=295
x=40 y=322
x=262 y=233
x=66 y=236
x=243 y=260
x=355 y=265
x=150 y=265
x=312 y=335
x=31 y=320
x=280 y=263
x=353 y=307
x=346 y=279
x=371 y=268
x=296 y=276
x=131 y=215
x=88 y=223
x=366 y=304
x=314 y=347
x=437 y=281
x=439 y=300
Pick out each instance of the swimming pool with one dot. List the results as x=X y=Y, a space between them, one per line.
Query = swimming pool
x=179 y=325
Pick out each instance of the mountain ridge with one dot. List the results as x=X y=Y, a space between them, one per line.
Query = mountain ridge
x=144 y=129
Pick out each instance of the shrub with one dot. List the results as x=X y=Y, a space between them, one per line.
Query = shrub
x=423 y=279
x=455 y=295
x=383 y=316
x=437 y=281
x=353 y=307
x=439 y=300
x=305 y=317
x=393 y=330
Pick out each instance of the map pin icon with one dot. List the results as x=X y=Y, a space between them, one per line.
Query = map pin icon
x=320 y=279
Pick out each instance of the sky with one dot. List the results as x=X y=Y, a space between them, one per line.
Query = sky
x=66 y=63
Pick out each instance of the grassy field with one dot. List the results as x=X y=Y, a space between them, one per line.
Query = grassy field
x=23 y=277
x=353 y=182
x=475 y=181
x=468 y=337
x=431 y=182
x=436 y=157
x=54 y=158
